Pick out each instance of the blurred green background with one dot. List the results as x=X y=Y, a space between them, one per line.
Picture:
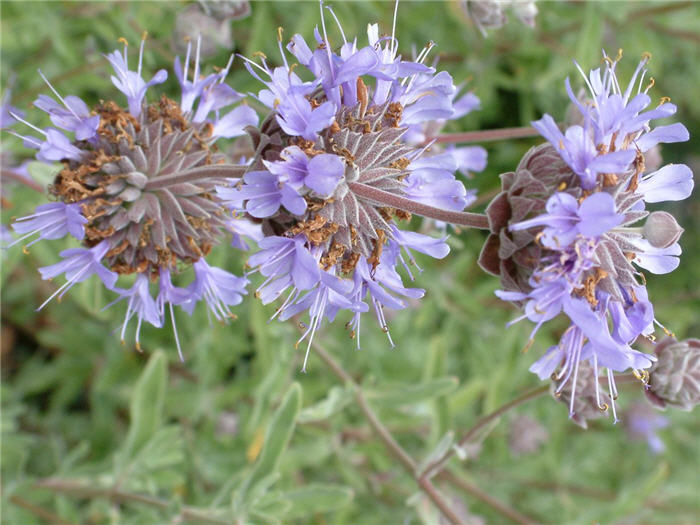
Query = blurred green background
x=130 y=437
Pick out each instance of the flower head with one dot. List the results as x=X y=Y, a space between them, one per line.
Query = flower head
x=564 y=239
x=137 y=188
x=334 y=175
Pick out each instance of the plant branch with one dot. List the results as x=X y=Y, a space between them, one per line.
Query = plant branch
x=81 y=490
x=389 y=441
x=439 y=463
x=487 y=135
x=40 y=512
x=381 y=197
x=486 y=498
x=215 y=171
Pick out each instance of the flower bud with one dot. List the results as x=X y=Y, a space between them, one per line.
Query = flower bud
x=675 y=377
x=526 y=435
x=586 y=404
x=661 y=229
x=525 y=11
x=486 y=14
x=191 y=24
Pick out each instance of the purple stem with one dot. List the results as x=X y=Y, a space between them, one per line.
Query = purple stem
x=486 y=135
x=214 y=171
x=381 y=197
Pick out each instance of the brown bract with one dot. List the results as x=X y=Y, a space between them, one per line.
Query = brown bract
x=514 y=255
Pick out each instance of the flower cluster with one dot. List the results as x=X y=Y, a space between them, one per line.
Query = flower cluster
x=564 y=238
x=333 y=175
x=137 y=188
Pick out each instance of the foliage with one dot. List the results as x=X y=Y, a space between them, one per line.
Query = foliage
x=94 y=432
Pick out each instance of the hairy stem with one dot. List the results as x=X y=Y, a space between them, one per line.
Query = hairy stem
x=439 y=463
x=213 y=171
x=384 y=198
x=385 y=435
x=486 y=135
x=485 y=497
x=64 y=486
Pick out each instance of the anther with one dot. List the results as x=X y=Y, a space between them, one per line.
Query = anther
x=279 y=33
x=604 y=407
x=144 y=35
x=528 y=346
x=619 y=55
x=123 y=40
x=646 y=55
x=652 y=81
x=664 y=100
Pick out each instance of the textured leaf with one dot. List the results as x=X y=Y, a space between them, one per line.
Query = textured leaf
x=403 y=394
x=146 y=406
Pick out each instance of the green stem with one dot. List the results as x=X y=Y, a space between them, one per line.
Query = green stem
x=81 y=490
x=439 y=463
x=389 y=441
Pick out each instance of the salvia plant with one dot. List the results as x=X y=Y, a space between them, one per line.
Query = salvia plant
x=344 y=180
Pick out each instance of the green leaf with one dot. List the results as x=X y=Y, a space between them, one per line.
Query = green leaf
x=337 y=399
x=443 y=445
x=306 y=501
x=147 y=400
x=404 y=394
x=276 y=440
x=43 y=173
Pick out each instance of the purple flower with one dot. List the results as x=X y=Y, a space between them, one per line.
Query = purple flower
x=51 y=221
x=656 y=260
x=171 y=295
x=642 y=423
x=673 y=182
x=285 y=262
x=325 y=300
x=378 y=283
x=428 y=97
x=321 y=173
x=74 y=116
x=55 y=147
x=578 y=150
x=242 y=229
x=6 y=111
x=233 y=124
x=218 y=288
x=131 y=83
x=78 y=264
x=469 y=158
x=193 y=89
x=431 y=181
x=265 y=194
x=141 y=304
x=297 y=117
x=337 y=165
x=566 y=219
